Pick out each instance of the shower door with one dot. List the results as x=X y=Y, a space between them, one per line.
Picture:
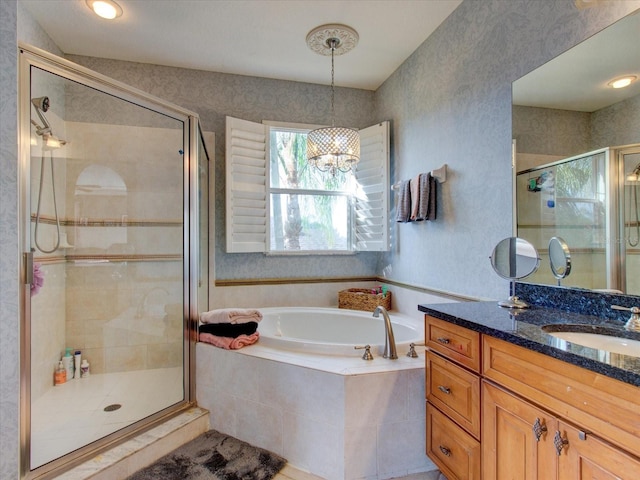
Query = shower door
x=110 y=182
x=629 y=159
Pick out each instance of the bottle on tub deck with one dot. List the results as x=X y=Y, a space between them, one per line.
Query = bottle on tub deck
x=77 y=357
x=84 y=368
x=60 y=374
x=67 y=361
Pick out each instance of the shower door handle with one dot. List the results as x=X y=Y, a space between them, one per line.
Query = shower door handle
x=28 y=267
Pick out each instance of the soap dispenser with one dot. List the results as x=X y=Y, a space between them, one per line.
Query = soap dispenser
x=60 y=374
x=68 y=361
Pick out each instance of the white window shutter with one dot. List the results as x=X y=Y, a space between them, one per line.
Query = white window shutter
x=246 y=186
x=372 y=198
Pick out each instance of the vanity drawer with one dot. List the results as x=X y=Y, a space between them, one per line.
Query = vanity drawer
x=455 y=391
x=608 y=408
x=457 y=343
x=454 y=451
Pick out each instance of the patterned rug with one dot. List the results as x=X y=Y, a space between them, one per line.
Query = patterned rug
x=214 y=456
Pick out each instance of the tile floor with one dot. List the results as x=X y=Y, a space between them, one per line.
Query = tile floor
x=72 y=415
x=292 y=473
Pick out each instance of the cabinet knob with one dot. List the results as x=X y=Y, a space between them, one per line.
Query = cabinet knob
x=445 y=390
x=445 y=451
x=538 y=429
x=443 y=340
x=559 y=442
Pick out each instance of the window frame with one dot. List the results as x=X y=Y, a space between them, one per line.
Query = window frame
x=272 y=126
x=247 y=175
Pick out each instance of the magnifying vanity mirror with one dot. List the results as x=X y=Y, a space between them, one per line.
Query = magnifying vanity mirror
x=576 y=145
x=514 y=258
x=559 y=258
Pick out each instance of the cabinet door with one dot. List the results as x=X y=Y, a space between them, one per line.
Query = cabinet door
x=585 y=457
x=517 y=438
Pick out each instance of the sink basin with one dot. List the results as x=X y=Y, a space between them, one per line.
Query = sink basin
x=600 y=338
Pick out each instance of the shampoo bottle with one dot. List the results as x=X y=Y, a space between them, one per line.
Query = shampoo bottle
x=60 y=374
x=67 y=361
x=77 y=366
x=84 y=368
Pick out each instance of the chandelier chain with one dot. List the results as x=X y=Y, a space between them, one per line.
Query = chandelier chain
x=333 y=94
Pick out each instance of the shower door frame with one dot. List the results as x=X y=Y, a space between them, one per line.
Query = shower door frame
x=29 y=57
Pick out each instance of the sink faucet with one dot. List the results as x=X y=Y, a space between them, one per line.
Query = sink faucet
x=633 y=324
x=389 y=339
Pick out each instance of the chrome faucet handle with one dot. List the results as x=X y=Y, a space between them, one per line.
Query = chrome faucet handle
x=633 y=324
x=367 y=352
x=412 y=351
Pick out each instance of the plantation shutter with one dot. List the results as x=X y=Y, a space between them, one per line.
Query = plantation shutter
x=372 y=199
x=246 y=189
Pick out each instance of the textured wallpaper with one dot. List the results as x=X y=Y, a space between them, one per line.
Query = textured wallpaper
x=9 y=273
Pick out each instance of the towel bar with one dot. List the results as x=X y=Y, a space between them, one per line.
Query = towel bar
x=440 y=174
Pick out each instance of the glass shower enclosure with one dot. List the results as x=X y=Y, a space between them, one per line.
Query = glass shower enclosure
x=114 y=193
x=591 y=202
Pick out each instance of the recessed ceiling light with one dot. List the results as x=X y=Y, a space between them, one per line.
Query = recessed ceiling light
x=105 y=8
x=622 y=81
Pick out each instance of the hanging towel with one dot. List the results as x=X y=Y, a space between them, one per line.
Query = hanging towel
x=426 y=203
x=231 y=315
x=229 y=329
x=433 y=195
x=229 y=343
x=414 y=185
x=403 y=204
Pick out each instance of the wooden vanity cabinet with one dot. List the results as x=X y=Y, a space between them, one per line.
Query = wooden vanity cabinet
x=539 y=418
x=452 y=369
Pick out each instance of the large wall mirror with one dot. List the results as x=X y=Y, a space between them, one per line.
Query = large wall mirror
x=577 y=147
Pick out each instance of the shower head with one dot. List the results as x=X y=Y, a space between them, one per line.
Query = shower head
x=41 y=103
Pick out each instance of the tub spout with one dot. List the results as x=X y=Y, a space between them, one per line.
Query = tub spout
x=389 y=339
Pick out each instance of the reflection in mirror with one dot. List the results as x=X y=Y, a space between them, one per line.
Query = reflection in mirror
x=559 y=258
x=514 y=258
x=566 y=110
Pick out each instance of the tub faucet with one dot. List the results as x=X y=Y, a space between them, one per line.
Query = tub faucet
x=389 y=339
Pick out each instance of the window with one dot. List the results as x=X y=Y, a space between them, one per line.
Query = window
x=276 y=203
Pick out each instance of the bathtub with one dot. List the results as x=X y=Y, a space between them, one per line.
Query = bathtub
x=303 y=392
x=333 y=331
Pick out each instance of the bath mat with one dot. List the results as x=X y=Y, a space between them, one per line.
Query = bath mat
x=214 y=456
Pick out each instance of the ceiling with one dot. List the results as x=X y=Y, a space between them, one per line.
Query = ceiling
x=263 y=38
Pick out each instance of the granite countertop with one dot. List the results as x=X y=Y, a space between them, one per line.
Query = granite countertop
x=524 y=328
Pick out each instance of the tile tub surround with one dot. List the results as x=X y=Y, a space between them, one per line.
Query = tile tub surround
x=523 y=328
x=336 y=417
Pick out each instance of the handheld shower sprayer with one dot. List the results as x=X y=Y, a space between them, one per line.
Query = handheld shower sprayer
x=42 y=105
x=50 y=142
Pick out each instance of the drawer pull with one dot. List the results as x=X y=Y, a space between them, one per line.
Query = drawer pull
x=539 y=429
x=445 y=390
x=559 y=442
x=445 y=451
x=444 y=341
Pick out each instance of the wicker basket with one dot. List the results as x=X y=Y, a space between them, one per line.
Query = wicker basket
x=363 y=299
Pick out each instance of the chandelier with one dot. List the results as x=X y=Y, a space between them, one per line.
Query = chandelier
x=332 y=149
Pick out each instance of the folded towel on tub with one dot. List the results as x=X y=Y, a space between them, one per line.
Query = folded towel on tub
x=403 y=204
x=229 y=329
x=231 y=315
x=229 y=343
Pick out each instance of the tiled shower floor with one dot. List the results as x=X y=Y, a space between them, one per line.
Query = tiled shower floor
x=72 y=415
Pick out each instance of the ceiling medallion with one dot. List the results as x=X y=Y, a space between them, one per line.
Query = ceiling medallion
x=319 y=39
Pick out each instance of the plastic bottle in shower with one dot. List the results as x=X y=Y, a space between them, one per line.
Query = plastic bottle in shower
x=84 y=368
x=60 y=374
x=67 y=361
x=77 y=358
